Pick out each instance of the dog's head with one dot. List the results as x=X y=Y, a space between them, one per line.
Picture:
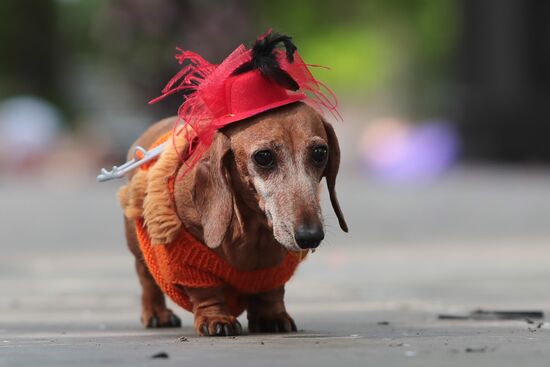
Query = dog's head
x=272 y=164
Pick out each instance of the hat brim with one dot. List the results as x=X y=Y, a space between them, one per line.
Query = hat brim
x=230 y=118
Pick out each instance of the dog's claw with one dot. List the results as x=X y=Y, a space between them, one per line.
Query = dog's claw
x=175 y=321
x=286 y=325
x=219 y=326
x=227 y=331
x=281 y=323
x=153 y=322
x=161 y=319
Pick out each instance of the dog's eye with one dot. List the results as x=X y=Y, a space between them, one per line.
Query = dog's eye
x=319 y=155
x=264 y=158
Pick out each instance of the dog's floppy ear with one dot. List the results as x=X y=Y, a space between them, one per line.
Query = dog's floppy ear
x=331 y=171
x=212 y=193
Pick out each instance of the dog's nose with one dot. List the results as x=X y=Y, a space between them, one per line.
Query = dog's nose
x=309 y=236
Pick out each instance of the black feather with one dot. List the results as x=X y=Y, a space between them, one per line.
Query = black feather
x=264 y=59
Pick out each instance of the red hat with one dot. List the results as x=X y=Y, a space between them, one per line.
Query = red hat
x=248 y=82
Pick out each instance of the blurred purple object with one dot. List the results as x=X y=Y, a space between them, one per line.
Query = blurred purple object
x=399 y=152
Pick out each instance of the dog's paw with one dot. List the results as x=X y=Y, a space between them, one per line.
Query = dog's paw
x=159 y=318
x=217 y=326
x=280 y=323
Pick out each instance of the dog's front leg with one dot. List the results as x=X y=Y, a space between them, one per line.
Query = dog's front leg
x=212 y=318
x=267 y=313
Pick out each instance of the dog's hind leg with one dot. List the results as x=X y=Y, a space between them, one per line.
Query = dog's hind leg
x=154 y=312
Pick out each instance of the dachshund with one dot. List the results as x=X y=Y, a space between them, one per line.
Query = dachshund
x=252 y=198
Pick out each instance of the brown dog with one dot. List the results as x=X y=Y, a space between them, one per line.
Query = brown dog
x=252 y=197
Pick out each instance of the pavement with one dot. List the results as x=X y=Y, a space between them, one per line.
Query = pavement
x=476 y=238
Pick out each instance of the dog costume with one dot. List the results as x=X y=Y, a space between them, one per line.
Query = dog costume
x=176 y=259
x=247 y=83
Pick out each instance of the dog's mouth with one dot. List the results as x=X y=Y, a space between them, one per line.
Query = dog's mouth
x=298 y=250
x=285 y=237
x=295 y=249
x=294 y=241
x=269 y=218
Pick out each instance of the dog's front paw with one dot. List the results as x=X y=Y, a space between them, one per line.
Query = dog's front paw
x=280 y=323
x=217 y=325
x=151 y=318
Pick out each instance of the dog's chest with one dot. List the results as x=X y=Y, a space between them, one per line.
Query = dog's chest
x=254 y=251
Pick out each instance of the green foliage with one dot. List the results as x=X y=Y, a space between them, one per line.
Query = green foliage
x=369 y=43
x=357 y=58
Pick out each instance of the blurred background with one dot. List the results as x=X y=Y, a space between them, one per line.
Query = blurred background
x=423 y=84
x=445 y=174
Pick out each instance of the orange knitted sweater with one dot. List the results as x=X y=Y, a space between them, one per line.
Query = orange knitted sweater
x=186 y=262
